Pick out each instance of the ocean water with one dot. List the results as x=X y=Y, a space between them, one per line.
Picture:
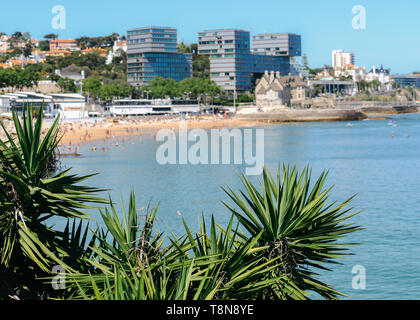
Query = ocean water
x=362 y=157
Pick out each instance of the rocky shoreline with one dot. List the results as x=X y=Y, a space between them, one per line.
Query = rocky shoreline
x=310 y=115
x=303 y=116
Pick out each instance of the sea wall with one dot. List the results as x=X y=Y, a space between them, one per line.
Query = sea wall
x=303 y=116
x=389 y=109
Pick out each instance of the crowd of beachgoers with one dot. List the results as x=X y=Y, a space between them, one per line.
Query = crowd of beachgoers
x=118 y=130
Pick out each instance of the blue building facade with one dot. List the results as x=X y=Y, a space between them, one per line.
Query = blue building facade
x=234 y=66
x=410 y=80
x=152 y=52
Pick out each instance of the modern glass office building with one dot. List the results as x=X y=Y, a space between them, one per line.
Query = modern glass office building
x=277 y=44
x=410 y=80
x=233 y=66
x=151 y=52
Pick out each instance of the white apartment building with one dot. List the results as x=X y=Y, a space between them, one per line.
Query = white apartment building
x=4 y=44
x=357 y=73
x=119 y=44
x=340 y=58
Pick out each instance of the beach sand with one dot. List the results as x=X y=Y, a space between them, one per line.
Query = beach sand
x=81 y=132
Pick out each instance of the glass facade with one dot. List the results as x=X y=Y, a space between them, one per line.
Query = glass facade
x=407 y=80
x=152 y=52
x=232 y=64
x=167 y=65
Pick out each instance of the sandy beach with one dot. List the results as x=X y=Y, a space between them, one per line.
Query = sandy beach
x=85 y=131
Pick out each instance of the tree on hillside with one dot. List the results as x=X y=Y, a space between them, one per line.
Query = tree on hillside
x=51 y=36
x=201 y=66
x=67 y=85
x=44 y=45
x=119 y=61
x=15 y=39
x=315 y=71
x=17 y=52
x=91 y=86
x=18 y=78
x=17 y=36
x=27 y=50
x=97 y=42
x=184 y=48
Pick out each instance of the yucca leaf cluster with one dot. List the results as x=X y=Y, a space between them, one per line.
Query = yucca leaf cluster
x=280 y=232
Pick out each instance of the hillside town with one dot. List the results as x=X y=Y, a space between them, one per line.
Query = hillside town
x=86 y=77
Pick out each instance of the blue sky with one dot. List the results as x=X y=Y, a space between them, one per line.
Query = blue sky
x=391 y=37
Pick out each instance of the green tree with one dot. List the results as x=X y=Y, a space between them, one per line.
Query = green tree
x=17 y=51
x=201 y=66
x=51 y=36
x=184 y=48
x=92 y=86
x=44 y=45
x=67 y=85
x=375 y=84
x=27 y=50
x=164 y=87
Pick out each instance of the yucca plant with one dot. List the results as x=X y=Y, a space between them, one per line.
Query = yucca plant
x=235 y=269
x=295 y=222
x=30 y=195
x=130 y=262
x=124 y=248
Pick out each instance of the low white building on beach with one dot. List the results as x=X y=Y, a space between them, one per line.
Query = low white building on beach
x=68 y=105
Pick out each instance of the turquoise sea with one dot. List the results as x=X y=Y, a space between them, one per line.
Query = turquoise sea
x=362 y=157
